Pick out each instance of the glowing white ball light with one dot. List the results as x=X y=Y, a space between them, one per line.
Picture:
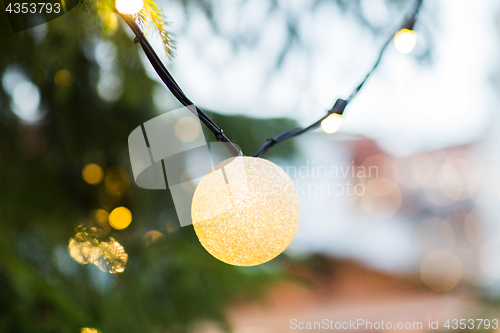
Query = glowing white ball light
x=332 y=123
x=129 y=7
x=246 y=212
x=405 y=40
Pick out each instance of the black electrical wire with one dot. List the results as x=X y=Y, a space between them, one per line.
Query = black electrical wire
x=172 y=85
x=409 y=24
x=341 y=104
x=169 y=81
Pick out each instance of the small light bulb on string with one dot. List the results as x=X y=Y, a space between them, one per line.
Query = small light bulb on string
x=405 y=40
x=129 y=7
x=246 y=211
x=332 y=123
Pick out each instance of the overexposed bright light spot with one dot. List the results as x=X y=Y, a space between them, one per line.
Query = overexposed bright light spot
x=11 y=79
x=25 y=95
x=129 y=6
x=26 y=102
x=405 y=40
x=110 y=86
x=332 y=123
x=105 y=54
x=39 y=32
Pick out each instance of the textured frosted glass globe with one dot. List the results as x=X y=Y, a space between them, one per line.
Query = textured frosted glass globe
x=246 y=212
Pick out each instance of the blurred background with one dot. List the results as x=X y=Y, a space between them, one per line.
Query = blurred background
x=400 y=209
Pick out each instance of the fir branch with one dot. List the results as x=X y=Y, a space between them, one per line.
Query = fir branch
x=152 y=15
x=86 y=5
x=106 y=18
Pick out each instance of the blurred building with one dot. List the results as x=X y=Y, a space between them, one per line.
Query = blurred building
x=414 y=243
x=332 y=293
x=431 y=214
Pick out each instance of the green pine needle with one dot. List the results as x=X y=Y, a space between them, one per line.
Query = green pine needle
x=151 y=15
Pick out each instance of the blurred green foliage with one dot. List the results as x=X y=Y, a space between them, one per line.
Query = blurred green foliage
x=167 y=286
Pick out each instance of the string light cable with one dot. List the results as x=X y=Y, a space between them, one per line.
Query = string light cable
x=337 y=109
x=172 y=85
x=340 y=105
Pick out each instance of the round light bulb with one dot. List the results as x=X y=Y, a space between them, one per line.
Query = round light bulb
x=405 y=40
x=129 y=7
x=246 y=211
x=332 y=123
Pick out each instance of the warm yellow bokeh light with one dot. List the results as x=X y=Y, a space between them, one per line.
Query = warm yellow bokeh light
x=86 y=248
x=112 y=257
x=441 y=270
x=100 y=217
x=152 y=237
x=83 y=248
x=246 y=212
x=129 y=7
x=63 y=78
x=332 y=123
x=187 y=129
x=120 y=218
x=89 y=330
x=380 y=187
x=92 y=174
x=405 y=40
x=116 y=181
